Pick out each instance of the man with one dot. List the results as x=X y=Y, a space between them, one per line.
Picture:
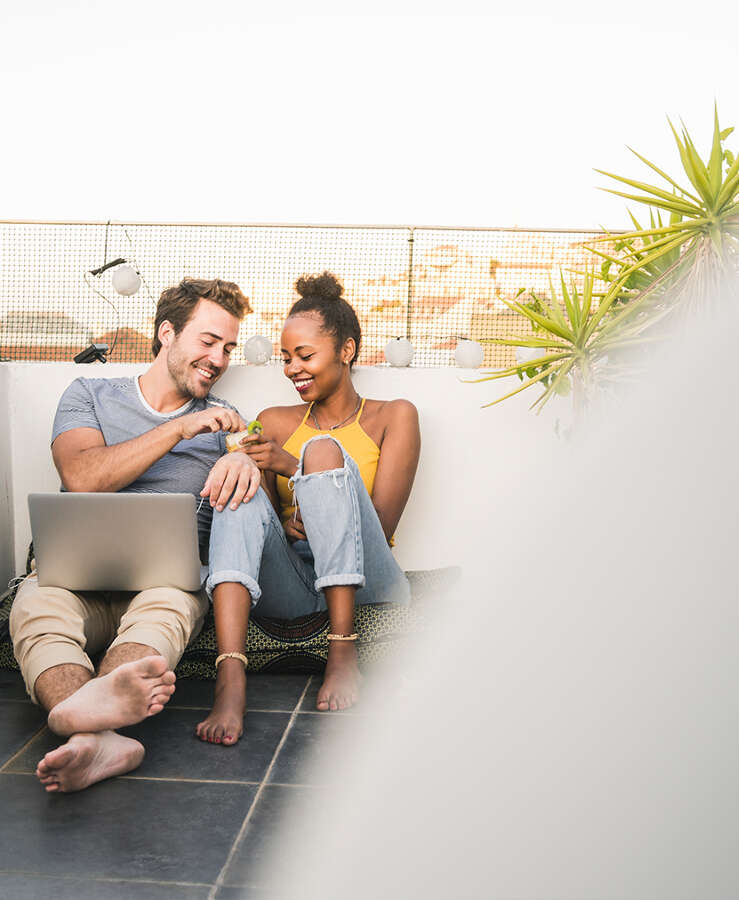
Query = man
x=158 y=432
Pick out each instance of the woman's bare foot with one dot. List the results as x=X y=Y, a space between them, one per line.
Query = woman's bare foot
x=341 y=682
x=225 y=724
x=86 y=759
x=124 y=696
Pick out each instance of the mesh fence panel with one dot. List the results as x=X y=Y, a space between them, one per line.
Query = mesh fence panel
x=431 y=285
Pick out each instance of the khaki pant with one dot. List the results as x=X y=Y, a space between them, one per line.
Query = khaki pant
x=52 y=626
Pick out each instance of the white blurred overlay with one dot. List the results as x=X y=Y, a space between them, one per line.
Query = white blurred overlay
x=569 y=730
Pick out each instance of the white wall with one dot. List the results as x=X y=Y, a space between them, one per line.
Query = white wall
x=462 y=443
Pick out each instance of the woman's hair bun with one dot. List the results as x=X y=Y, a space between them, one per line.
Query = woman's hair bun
x=322 y=295
x=324 y=286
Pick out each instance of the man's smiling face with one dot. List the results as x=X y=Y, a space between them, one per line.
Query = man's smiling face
x=200 y=353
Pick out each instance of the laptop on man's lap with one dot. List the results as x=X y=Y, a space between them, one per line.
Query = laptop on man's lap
x=115 y=541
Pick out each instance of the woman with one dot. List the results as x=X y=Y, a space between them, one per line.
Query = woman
x=338 y=469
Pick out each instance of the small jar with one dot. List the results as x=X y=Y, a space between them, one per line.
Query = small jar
x=233 y=439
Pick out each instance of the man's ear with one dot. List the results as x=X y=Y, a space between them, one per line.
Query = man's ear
x=166 y=333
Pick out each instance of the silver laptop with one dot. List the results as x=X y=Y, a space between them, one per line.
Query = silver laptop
x=115 y=542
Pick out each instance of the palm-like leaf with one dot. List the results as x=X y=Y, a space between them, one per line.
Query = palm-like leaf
x=646 y=271
x=574 y=335
x=704 y=219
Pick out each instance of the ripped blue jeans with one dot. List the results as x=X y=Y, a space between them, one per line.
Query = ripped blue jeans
x=345 y=545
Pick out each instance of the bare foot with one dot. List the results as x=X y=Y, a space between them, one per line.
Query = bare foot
x=340 y=688
x=87 y=758
x=124 y=696
x=225 y=724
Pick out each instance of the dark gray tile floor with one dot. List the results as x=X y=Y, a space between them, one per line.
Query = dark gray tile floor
x=193 y=821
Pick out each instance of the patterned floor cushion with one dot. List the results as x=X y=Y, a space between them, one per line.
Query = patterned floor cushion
x=299 y=645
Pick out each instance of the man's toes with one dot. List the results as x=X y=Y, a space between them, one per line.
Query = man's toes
x=152 y=666
x=160 y=699
x=59 y=757
x=169 y=677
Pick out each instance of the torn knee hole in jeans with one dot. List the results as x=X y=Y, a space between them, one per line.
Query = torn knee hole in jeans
x=337 y=475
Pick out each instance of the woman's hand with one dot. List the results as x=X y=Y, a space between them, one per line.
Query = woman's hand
x=268 y=454
x=294 y=528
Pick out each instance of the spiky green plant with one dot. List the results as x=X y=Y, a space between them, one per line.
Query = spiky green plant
x=575 y=336
x=632 y=271
x=700 y=245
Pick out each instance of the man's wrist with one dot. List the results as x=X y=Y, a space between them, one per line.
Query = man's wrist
x=175 y=429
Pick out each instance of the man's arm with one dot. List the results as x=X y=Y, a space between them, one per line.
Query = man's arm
x=86 y=463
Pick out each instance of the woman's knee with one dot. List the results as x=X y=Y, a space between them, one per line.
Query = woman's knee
x=322 y=454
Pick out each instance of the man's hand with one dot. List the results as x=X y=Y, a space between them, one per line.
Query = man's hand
x=210 y=420
x=234 y=476
x=294 y=528
x=268 y=455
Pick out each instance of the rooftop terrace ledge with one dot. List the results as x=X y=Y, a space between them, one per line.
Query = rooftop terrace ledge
x=465 y=447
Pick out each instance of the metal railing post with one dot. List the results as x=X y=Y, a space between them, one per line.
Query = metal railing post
x=411 y=232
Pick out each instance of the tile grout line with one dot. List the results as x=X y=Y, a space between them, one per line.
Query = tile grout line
x=103 y=878
x=22 y=749
x=279 y=784
x=177 y=780
x=247 y=711
x=232 y=852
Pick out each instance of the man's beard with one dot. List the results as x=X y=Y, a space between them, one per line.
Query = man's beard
x=184 y=375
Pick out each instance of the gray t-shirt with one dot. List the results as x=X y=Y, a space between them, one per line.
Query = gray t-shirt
x=117 y=408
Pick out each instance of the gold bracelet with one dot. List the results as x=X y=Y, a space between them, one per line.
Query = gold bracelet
x=234 y=655
x=342 y=637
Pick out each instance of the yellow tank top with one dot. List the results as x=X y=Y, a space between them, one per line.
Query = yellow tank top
x=353 y=438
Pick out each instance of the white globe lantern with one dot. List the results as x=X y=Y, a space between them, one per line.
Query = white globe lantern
x=469 y=354
x=126 y=280
x=399 y=352
x=258 y=350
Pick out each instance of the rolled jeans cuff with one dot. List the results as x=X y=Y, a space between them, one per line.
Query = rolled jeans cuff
x=232 y=575
x=353 y=580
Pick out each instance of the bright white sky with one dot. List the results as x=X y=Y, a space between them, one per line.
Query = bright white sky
x=395 y=112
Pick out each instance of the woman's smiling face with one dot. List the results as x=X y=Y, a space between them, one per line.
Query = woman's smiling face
x=311 y=360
